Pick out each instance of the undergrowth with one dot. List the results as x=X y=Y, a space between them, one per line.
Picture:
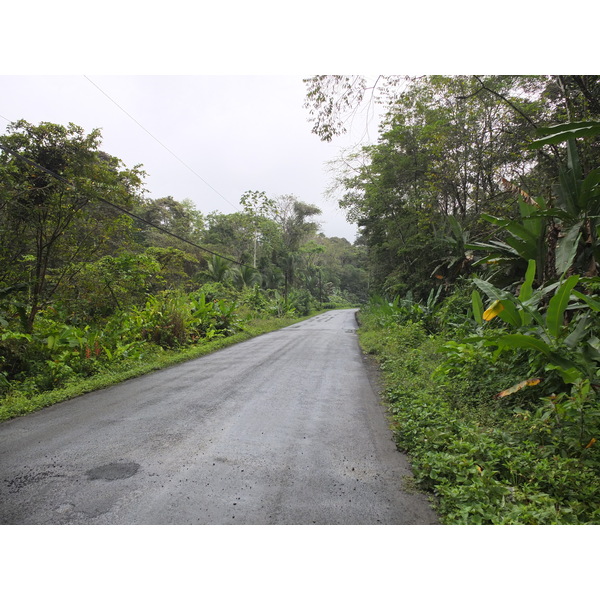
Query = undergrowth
x=485 y=461
x=22 y=401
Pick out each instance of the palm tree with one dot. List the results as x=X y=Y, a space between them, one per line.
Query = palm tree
x=218 y=268
x=246 y=277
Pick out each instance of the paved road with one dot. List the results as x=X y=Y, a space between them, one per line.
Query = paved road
x=282 y=429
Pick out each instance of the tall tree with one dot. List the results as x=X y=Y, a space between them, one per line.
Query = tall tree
x=181 y=218
x=259 y=207
x=54 y=181
x=231 y=234
x=294 y=219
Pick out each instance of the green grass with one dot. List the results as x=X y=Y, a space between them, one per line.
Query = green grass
x=18 y=403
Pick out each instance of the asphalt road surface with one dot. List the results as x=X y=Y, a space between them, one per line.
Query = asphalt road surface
x=285 y=428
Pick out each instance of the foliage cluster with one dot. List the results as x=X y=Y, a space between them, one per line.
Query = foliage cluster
x=499 y=406
x=517 y=459
x=94 y=276
x=452 y=149
x=57 y=352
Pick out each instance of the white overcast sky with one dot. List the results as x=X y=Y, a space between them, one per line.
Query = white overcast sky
x=213 y=136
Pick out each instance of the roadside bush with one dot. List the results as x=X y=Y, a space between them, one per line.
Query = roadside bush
x=486 y=459
x=302 y=302
x=478 y=374
x=335 y=302
x=15 y=352
x=454 y=315
x=173 y=319
x=58 y=353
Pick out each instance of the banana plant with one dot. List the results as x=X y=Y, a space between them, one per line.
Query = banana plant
x=572 y=349
x=574 y=213
x=524 y=241
x=459 y=259
x=577 y=205
x=556 y=134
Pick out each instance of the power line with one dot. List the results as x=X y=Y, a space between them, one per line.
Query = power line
x=157 y=140
x=123 y=210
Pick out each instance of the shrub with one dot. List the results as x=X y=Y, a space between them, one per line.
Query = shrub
x=486 y=459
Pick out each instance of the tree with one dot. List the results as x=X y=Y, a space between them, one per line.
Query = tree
x=218 y=268
x=293 y=218
x=55 y=187
x=245 y=277
x=259 y=208
x=231 y=234
x=449 y=148
x=108 y=284
x=180 y=218
x=331 y=99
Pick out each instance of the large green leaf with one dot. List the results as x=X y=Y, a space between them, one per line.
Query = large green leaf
x=497 y=259
x=510 y=314
x=566 y=131
x=495 y=220
x=558 y=304
x=525 y=342
x=577 y=335
x=525 y=236
x=457 y=230
x=573 y=160
x=526 y=250
x=590 y=192
x=477 y=307
x=591 y=302
x=568 y=193
x=531 y=219
x=489 y=289
x=528 y=342
x=567 y=127
x=592 y=350
x=517 y=229
x=494 y=246
x=527 y=288
x=566 y=248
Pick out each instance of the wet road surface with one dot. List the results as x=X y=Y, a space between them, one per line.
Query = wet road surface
x=285 y=428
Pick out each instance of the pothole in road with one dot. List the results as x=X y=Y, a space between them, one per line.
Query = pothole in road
x=113 y=471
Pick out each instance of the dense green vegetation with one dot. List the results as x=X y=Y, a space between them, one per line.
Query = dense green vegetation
x=98 y=282
x=480 y=209
x=477 y=268
x=525 y=457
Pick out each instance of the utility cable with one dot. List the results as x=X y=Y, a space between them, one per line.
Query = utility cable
x=123 y=210
x=157 y=140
